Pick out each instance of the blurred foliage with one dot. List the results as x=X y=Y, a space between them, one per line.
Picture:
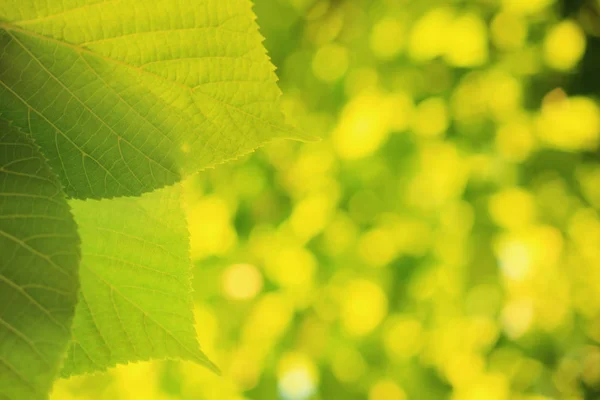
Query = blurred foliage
x=441 y=242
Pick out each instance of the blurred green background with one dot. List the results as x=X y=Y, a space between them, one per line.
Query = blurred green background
x=441 y=242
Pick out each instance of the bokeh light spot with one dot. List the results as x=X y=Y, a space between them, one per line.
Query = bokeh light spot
x=509 y=31
x=330 y=62
x=431 y=117
x=242 y=281
x=467 y=42
x=210 y=227
x=564 y=45
x=297 y=377
x=428 y=36
x=363 y=128
x=512 y=208
x=386 y=390
x=387 y=38
x=403 y=337
x=569 y=123
x=364 y=306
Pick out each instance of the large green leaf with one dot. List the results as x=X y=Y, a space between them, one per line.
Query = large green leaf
x=135 y=300
x=39 y=253
x=125 y=96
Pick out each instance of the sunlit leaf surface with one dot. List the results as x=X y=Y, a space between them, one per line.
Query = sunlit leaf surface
x=127 y=96
x=135 y=301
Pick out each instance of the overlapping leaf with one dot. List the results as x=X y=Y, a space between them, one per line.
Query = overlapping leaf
x=122 y=97
x=125 y=96
x=39 y=254
x=135 y=301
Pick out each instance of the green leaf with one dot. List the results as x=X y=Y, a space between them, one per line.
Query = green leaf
x=126 y=96
x=135 y=301
x=39 y=254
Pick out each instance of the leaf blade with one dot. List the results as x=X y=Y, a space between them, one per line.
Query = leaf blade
x=135 y=87
x=135 y=300
x=39 y=250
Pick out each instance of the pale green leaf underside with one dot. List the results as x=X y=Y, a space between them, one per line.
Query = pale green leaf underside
x=135 y=301
x=125 y=96
x=39 y=254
